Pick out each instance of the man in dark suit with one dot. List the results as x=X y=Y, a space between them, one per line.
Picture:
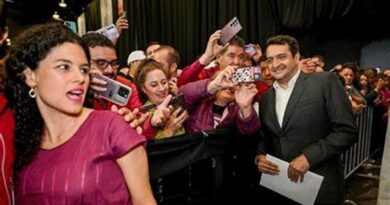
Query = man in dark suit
x=307 y=121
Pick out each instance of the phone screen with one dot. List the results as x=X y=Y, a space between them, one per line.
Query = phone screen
x=247 y=75
x=229 y=31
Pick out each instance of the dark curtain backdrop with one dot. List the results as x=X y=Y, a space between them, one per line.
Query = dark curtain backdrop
x=187 y=24
x=92 y=16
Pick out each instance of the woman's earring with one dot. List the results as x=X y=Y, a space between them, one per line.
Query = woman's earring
x=32 y=93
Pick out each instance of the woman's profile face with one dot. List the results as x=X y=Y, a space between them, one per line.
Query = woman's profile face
x=156 y=86
x=61 y=79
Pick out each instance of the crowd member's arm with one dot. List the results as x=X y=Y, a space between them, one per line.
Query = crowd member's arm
x=196 y=91
x=174 y=123
x=222 y=80
x=373 y=94
x=131 y=117
x=173 y=87
x=357 y=107
x=193 y=93
x=248 y=121
x=190 y=73
x=120 y=24
x=158 y=118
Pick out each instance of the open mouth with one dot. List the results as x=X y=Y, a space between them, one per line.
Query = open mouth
x=75 y=95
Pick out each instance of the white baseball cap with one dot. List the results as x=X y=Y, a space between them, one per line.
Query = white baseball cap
x=135 y=55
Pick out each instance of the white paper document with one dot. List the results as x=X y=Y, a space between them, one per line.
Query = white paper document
x=302 y=192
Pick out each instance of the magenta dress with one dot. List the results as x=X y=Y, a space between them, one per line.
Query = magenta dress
x=83 y=170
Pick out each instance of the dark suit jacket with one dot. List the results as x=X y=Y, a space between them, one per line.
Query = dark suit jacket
x=319 y=123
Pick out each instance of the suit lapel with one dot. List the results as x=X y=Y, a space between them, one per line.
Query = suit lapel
x=271 y=104
x=296 y=95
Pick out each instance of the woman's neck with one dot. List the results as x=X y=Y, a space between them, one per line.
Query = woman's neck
x=59 y=127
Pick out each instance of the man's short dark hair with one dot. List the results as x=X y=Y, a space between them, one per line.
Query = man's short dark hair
x=97 y=39
x=235 y=41
x=283 y=40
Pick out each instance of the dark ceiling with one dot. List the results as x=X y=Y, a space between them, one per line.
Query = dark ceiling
x=42 y=10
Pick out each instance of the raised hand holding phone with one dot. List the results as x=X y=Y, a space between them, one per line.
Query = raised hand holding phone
x=124 y=14
x=222 y=80
x=229 y=31
x=212 y=49
x=244 y=95
x=121 y=23
x=247 y=75
x=115 y=92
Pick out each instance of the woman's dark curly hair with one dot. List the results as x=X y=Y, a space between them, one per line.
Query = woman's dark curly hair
x=28 y=50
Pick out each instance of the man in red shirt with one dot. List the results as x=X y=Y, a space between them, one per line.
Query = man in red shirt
x=229 y=54
x=104 y=58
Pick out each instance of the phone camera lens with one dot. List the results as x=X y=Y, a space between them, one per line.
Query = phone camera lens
x=123 y=92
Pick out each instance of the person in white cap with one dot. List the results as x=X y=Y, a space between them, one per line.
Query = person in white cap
x=134 y=60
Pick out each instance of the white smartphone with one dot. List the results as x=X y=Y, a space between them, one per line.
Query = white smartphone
x=247 y=75
x=116 y=92
x=229 y=31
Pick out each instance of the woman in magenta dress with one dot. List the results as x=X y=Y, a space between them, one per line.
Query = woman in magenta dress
x=66 y=153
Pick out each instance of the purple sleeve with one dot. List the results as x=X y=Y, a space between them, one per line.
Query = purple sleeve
x=194 y=93
x=122 y=138
x=249 y=125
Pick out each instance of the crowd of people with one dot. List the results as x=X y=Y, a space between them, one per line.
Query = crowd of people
x=62 y=143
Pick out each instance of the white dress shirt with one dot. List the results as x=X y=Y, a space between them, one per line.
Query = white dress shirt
x=282 y=96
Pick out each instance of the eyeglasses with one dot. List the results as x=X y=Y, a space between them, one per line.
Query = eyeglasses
x=102 y=64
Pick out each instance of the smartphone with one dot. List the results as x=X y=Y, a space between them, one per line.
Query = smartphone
x=353 y=92
x=72 y=25
x=229 y=31
x=250 y=49
x=178 y=101
x=116 y=92
x=124 y=14
x=247 y=75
